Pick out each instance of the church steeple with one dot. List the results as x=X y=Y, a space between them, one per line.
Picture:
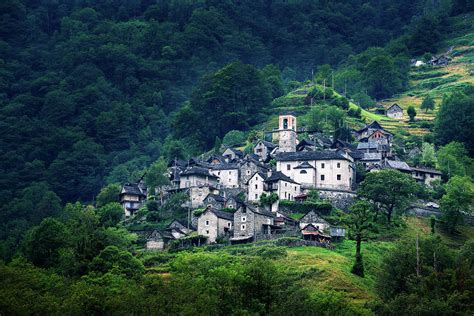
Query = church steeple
x=287 y=133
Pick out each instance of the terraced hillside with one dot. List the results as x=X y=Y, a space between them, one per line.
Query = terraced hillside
x=437 y=81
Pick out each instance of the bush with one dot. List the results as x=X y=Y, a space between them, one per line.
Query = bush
x=234 y=138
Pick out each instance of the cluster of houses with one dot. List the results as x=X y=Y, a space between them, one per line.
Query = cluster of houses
x=225 y=190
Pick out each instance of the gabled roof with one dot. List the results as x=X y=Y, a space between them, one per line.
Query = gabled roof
x=221 y=214
x=261 y=174
x=312 y=217
x=235 y=151
x=267 y=144
x=395 y=107
x=304 y=165
x=132 y=188
x=356 y=154
x=342 y=144
x=367 y=145
x=199 y=171
x=257 y=210
x=225 y=166
x=374 y=125
x=309 y=155
x=399 y=165
x=216 y=197
x=277 y=176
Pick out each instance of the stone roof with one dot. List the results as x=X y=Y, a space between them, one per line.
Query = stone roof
x=309 y=155
x=396 y=164
x=312 y=217
x=225 y=166
x=222 y=214
x=394 y=107
x=132 y=188
x=216 y=197
x=277 y=176
x=426 y=170
x=304 y=165
x=367 y=145
x=258 y=210
x=268 y=144
x=374 y=124
x=199 y=171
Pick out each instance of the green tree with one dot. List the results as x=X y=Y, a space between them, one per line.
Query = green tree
x=43 y=243
x=454 y=119
x=457 y=201
x=381 y=77
x=110 y=214
x=157 y=175
x=453 y=160
x=108 y=194
x=359 y=219
x=427 y=104
x=388 y=190
x=428 y=155
x=234 y=138
x=411 y=113
x=117 y=261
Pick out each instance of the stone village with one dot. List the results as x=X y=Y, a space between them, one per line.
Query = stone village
x=226 y=191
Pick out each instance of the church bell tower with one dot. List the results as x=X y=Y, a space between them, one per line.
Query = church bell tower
x=287 y=133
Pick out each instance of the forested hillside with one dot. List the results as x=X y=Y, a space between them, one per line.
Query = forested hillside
x=93 y=92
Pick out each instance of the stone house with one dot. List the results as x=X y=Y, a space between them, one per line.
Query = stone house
x=228 y=174
x=155 y=241
x=367 y=130
x=426 y=175
x=263 y=149
x=313 y=233
x=215 y=224
x=249 y=165
x=314 y=219
x=331 y=170
x=306 y=145
x=178 y=229
x=197 y=176
x=255 y=186
x=250 y=222
x=214 y=200
x=232 y=154
x=285 y=187
x=132 y=196
x=395 y=111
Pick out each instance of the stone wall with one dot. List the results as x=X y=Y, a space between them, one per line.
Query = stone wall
x=339 y=199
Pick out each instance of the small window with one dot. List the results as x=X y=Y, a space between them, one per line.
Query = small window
x=256 y=186
x=322 y=177
x=256 y=196
x=229 y=225
x=303 y=172
x=230 y=180
x=288 y=167
x=218 y=173
x=248 y=171
x=338 y=177
x=244 y=219
x=431 y=176
x=286 y=184
x=230 y=206
x=339 y=165
x=322 y=165
x=295 y=188
x=243 y=227
x=285 y=195
x=230 y=172
x=207 y=223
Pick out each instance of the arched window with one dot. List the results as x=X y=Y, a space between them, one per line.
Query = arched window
x=303 y=172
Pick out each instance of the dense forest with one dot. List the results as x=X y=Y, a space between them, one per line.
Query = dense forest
x=93 y=92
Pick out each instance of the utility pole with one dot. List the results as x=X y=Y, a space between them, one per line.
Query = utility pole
x=418 y=272
x=333 y=79
x=324 y=89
